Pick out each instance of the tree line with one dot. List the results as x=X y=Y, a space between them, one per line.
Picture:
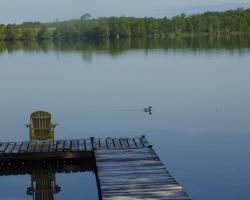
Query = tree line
x=113 y=28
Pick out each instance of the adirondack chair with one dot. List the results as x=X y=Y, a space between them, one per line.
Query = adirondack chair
x=41 y=127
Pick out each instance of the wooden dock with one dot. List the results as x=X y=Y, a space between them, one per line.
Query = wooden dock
x=126 y=168
x=128 y=174
x=65 y=149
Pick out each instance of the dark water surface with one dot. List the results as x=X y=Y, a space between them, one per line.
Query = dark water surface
x=198 y=88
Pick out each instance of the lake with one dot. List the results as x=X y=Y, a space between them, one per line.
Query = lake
x=198 y=88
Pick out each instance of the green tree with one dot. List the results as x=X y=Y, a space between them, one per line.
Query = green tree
x=43 y=33
x=2 y=32
x=12 y=32
x=27 y=34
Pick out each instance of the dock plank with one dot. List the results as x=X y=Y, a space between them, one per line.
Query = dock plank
x=3 y=147
x=52 y=147
x=67 y=145
x=117 y=143
x=131 y=143
x=88 y=143
x=46 y=147
x=144 y=141
x=24 y=147
x=82 y=145
x=96 y=144
x=30 y=148
x=124 y=143
x=103 y=143
x=110 y=143
x=17 y=147
x=74 y=145
x=138 y=142
x=10 y=147
x=59 y=145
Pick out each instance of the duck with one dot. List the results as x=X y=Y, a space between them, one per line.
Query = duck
x=149 y=109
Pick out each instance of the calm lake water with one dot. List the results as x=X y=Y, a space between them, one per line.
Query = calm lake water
x=198 y=88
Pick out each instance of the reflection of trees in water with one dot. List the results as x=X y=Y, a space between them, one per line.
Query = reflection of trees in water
x=86 y=56
x=117 y=47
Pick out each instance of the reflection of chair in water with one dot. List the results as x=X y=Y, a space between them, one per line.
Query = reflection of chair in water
x=40 y=127
x=43 y=186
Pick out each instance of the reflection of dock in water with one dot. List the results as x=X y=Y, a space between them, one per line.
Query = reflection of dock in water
x=125 y=168
x=43 y=184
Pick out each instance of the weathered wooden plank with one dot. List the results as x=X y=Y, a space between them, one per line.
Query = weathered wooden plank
x=110 y=143
x=128 y=154
x=131 y=143
x=17 y=147
x=96 y=144
x=124 y=143
x=3 y=147
x=46 y=147
x=135 y=173
x=148 y=191
x=24 y=147
x=103 y=143
x=74 y=145
x=145 y=141
x=142 y=184
x=31 y=147
x=59 y=145
x=82 y=145
x=10 y=147
x=142 y=188
x=35 y=147
x=52 y=147
x=117 y=143
x=138 y=142
x=67 y=145
x=89 y=146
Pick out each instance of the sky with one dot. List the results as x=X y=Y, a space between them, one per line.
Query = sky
x=18 y=11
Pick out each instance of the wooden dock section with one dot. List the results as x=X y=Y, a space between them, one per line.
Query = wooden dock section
x=135 y=174
x=65 y=149
x=126 y=168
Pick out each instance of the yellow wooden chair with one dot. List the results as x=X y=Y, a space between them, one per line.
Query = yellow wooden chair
x=41 y=127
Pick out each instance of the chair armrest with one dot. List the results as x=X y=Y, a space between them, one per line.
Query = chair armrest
x=27 y=125
x=54 y=125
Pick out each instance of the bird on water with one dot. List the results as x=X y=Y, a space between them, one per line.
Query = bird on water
x=149 y=110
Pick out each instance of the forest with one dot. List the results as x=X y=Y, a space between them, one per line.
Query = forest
x=87 y=28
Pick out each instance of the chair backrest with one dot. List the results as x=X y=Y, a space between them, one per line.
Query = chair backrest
x=40 y=122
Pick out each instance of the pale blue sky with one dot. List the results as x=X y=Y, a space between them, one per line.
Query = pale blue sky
x=17 y=11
